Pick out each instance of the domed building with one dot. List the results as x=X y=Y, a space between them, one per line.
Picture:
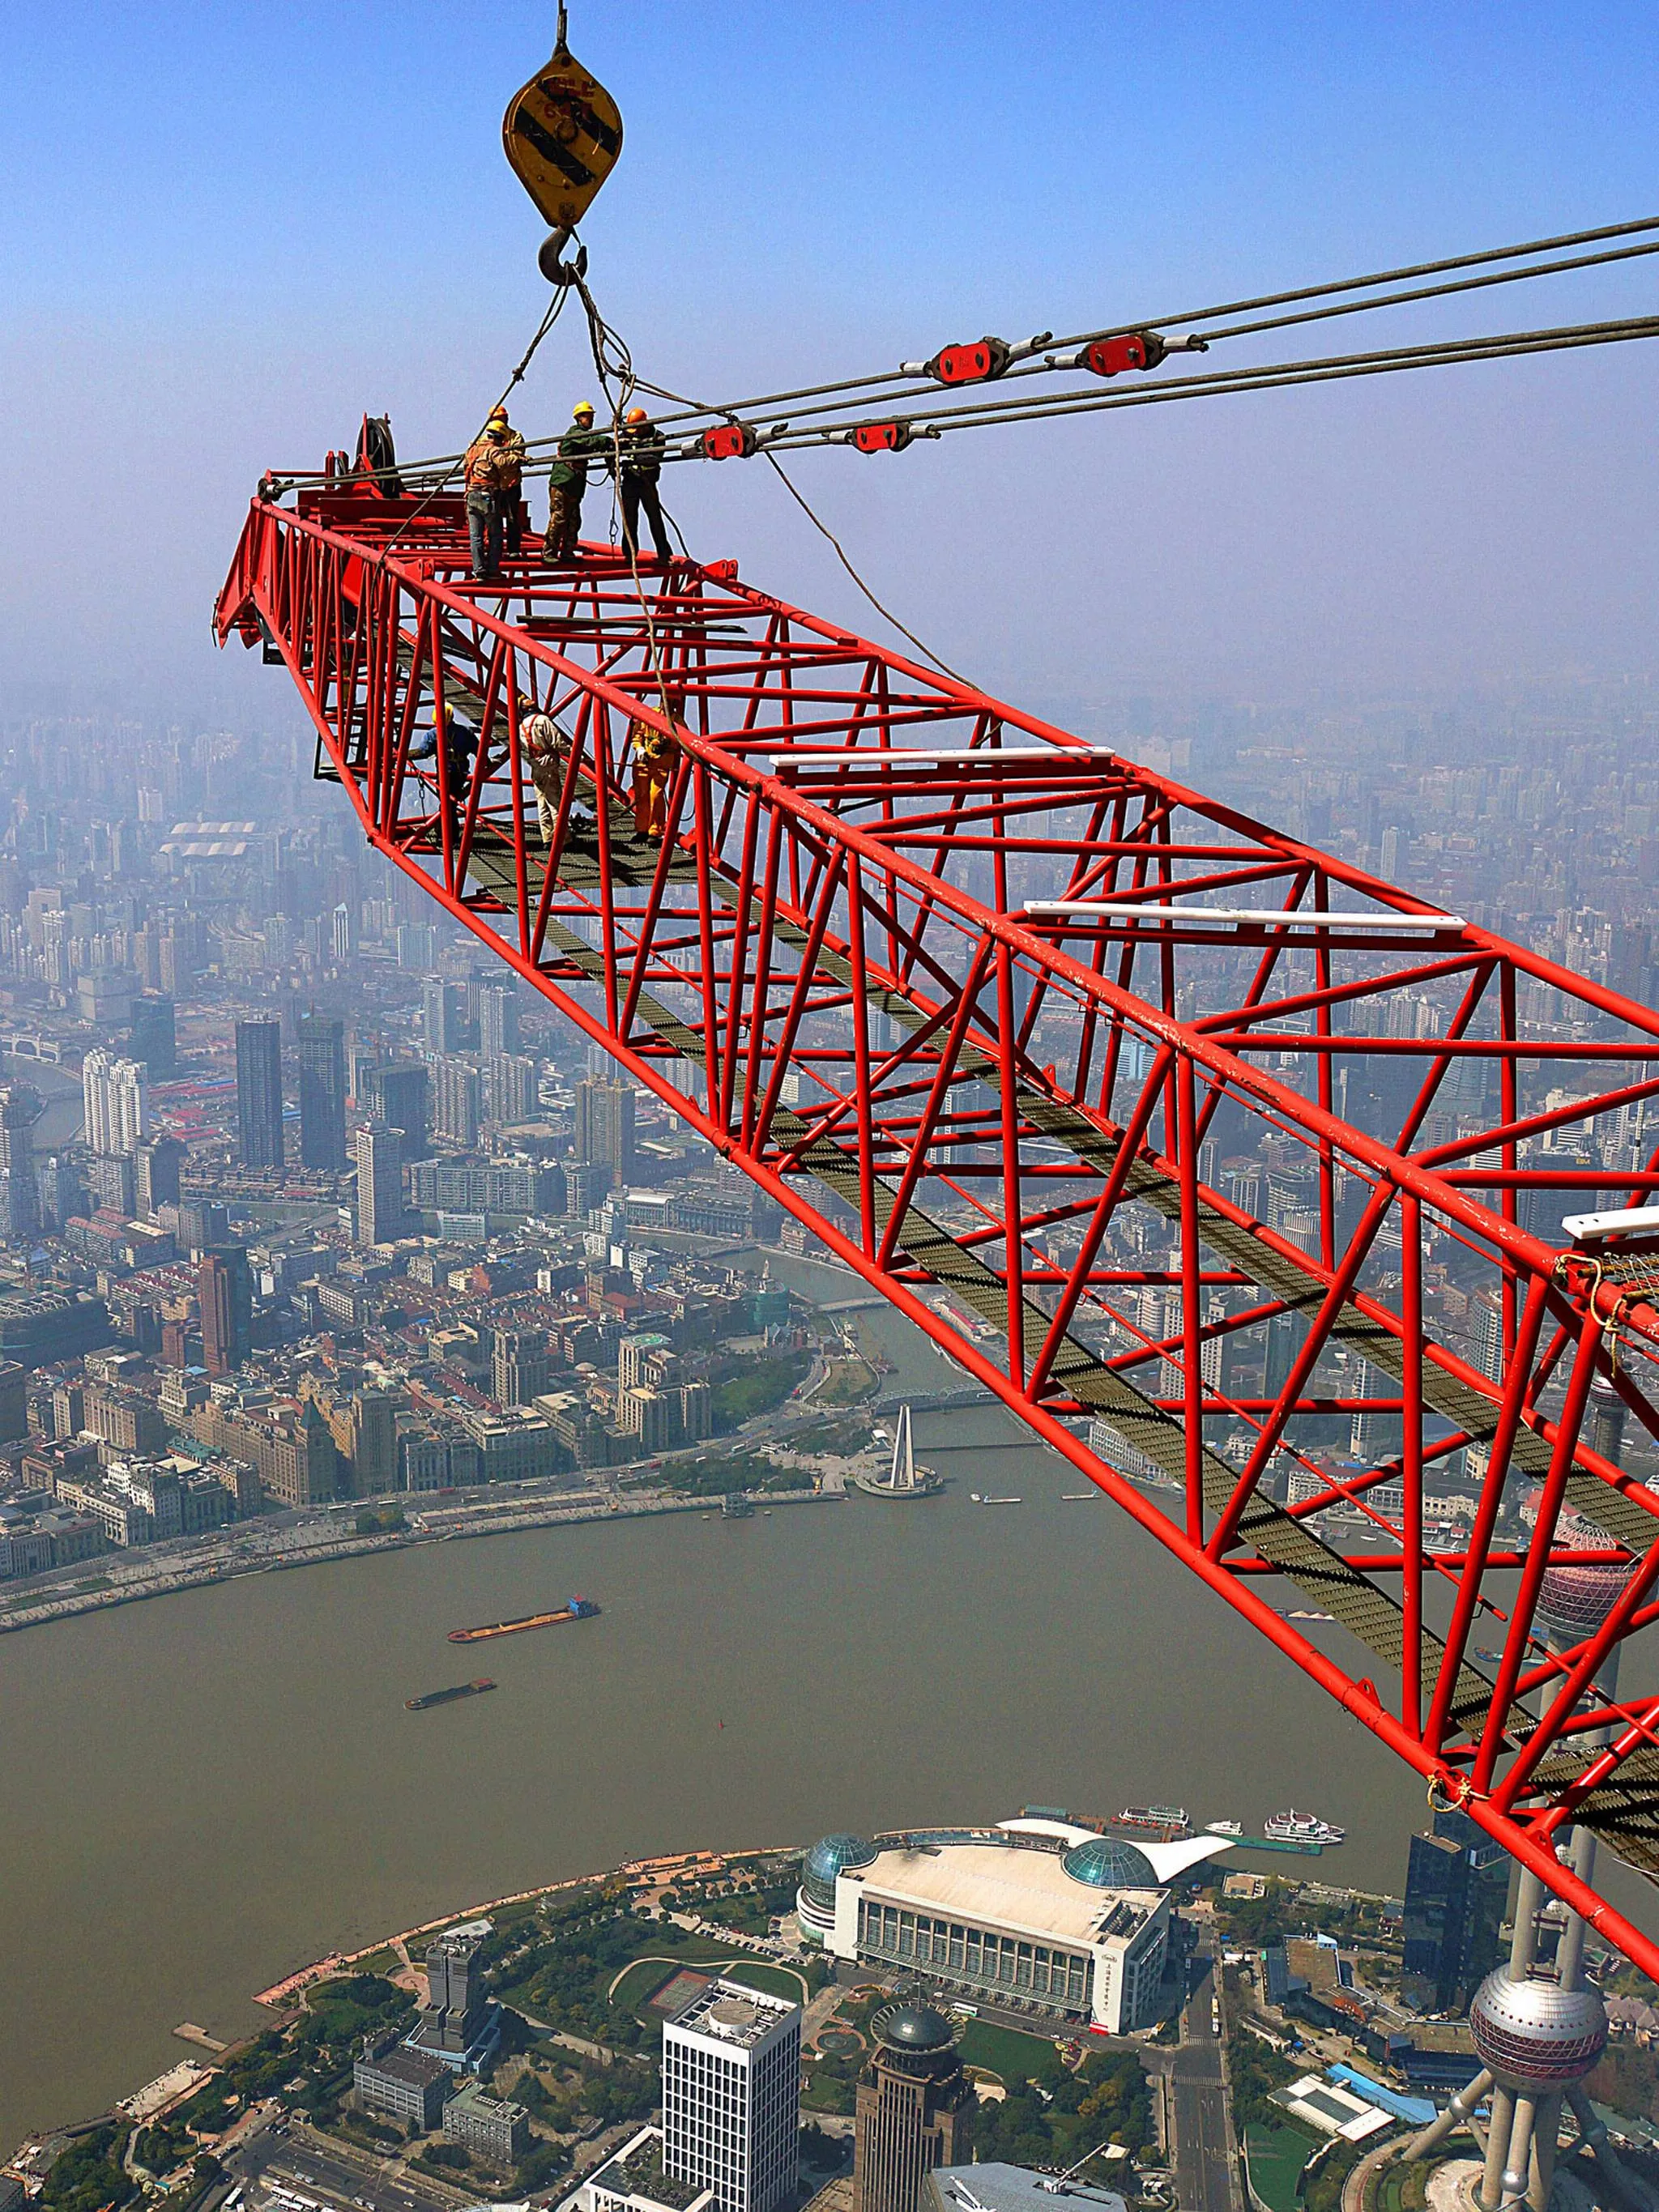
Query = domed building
x=913 y=2108
x=1035 y=1915
x=814 y=1900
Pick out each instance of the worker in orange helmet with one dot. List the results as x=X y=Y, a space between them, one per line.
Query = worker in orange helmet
x=509 y=471
x=640 y=451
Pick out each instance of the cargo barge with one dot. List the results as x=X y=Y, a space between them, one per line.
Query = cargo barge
x=447 y=1697
x=580 y=1608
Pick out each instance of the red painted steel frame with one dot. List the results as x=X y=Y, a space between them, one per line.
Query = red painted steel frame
x=1207 y=1182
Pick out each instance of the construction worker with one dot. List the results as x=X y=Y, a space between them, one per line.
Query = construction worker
x=548 y=749
x=567 y=480
x=653 y=770
x=486 y=508
x=460 y=742
x=642 y=447
x=510 y=449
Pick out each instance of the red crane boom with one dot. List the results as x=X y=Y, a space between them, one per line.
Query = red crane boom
x=1155 y=1119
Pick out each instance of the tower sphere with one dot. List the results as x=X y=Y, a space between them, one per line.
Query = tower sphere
x=1535 y=2037
x=1574 y=1600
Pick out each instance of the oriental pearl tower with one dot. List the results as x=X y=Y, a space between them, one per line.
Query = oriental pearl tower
x=1538 y=2038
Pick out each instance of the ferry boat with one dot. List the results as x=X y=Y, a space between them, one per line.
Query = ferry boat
x=736 y=1505
x=1294 y=1827
x=580 y=1608
x=1224 y=1827
x=448 y=1696
x=1163 y=1818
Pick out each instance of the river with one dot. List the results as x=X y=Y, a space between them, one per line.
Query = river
x=200 y=1793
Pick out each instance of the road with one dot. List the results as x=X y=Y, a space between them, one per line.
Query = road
x=1205 y=2177
x=300 y=2161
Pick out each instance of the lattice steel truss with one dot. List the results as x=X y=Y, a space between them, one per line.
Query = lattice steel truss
x=1198 y=1198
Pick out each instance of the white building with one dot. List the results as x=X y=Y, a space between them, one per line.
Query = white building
x=730 y=2097
x=1039 y=1914
x=114 y=1102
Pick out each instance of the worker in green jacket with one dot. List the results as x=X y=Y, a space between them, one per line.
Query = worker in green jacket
x=567 y=480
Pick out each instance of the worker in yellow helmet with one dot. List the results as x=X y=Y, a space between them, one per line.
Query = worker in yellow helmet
x=486 y=508
x=642 y=449
x=567 y=480
x=510 y=473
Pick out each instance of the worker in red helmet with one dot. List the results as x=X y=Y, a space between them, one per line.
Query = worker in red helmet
x=567 y=480
x=509 y=450
x=640 y=451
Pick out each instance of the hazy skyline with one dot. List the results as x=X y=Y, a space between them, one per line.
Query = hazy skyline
x=231 y=231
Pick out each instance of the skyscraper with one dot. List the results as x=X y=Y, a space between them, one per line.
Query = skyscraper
x=322 y=1092
x=519 y=1366
x=913 y=2108
x=380 y=1184
x=345 y=937
x=21 y=1193
x=510 y=1089
x=160 y=1160
x=498 y=1021
x=259 y=1093
x=154 y=1035
x=730 y=2097
x=605 y=1124
x=457 y=1102
x=439 y=1027
x=400 y=1098
x=224 y=1291
x=1457 y=1884
x=115 y=1102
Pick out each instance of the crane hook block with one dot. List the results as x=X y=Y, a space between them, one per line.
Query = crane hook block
x=968 y=364
x=563 y=133
x=730 y=441
x=880 y=437
x=1128 y=350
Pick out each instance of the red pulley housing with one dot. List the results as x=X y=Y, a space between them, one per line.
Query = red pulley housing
x=968 y=364
x=1128 y=350
x=882 y=437
x=731 y=441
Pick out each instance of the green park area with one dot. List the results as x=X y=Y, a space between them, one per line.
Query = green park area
x=1277 y=2156
x=1004 y=2051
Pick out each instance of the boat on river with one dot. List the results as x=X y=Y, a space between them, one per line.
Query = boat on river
x=580 y=1608
x=448 y=1696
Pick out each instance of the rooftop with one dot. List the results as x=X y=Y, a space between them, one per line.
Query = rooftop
x=732 y=2013
x=994 y=2187
x=996 y=1886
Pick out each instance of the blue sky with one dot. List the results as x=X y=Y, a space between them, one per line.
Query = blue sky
x=229 y=229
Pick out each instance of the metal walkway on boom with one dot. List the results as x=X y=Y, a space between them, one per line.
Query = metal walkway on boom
x=987 y=1008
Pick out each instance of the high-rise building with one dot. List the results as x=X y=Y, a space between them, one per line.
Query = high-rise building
x=519 y=1366
x=440 y=1025
x=498 y=1021
x=224 y=1291
x=730 y=2097
x=159 y=1161
x=20 y=1193
x=400 y=1096
x=375 y=1441
x=415 y=946
x=605 y=1124
x=259 y=1093
x=456 y=1101
x=322 y=1092
x=344 y=936
x=913 y=2109
x=380 y=1184
x=1457 y=1883
x=455 y=2019
x=115 y=1102
x=510 y=1089
x=155 y=1035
